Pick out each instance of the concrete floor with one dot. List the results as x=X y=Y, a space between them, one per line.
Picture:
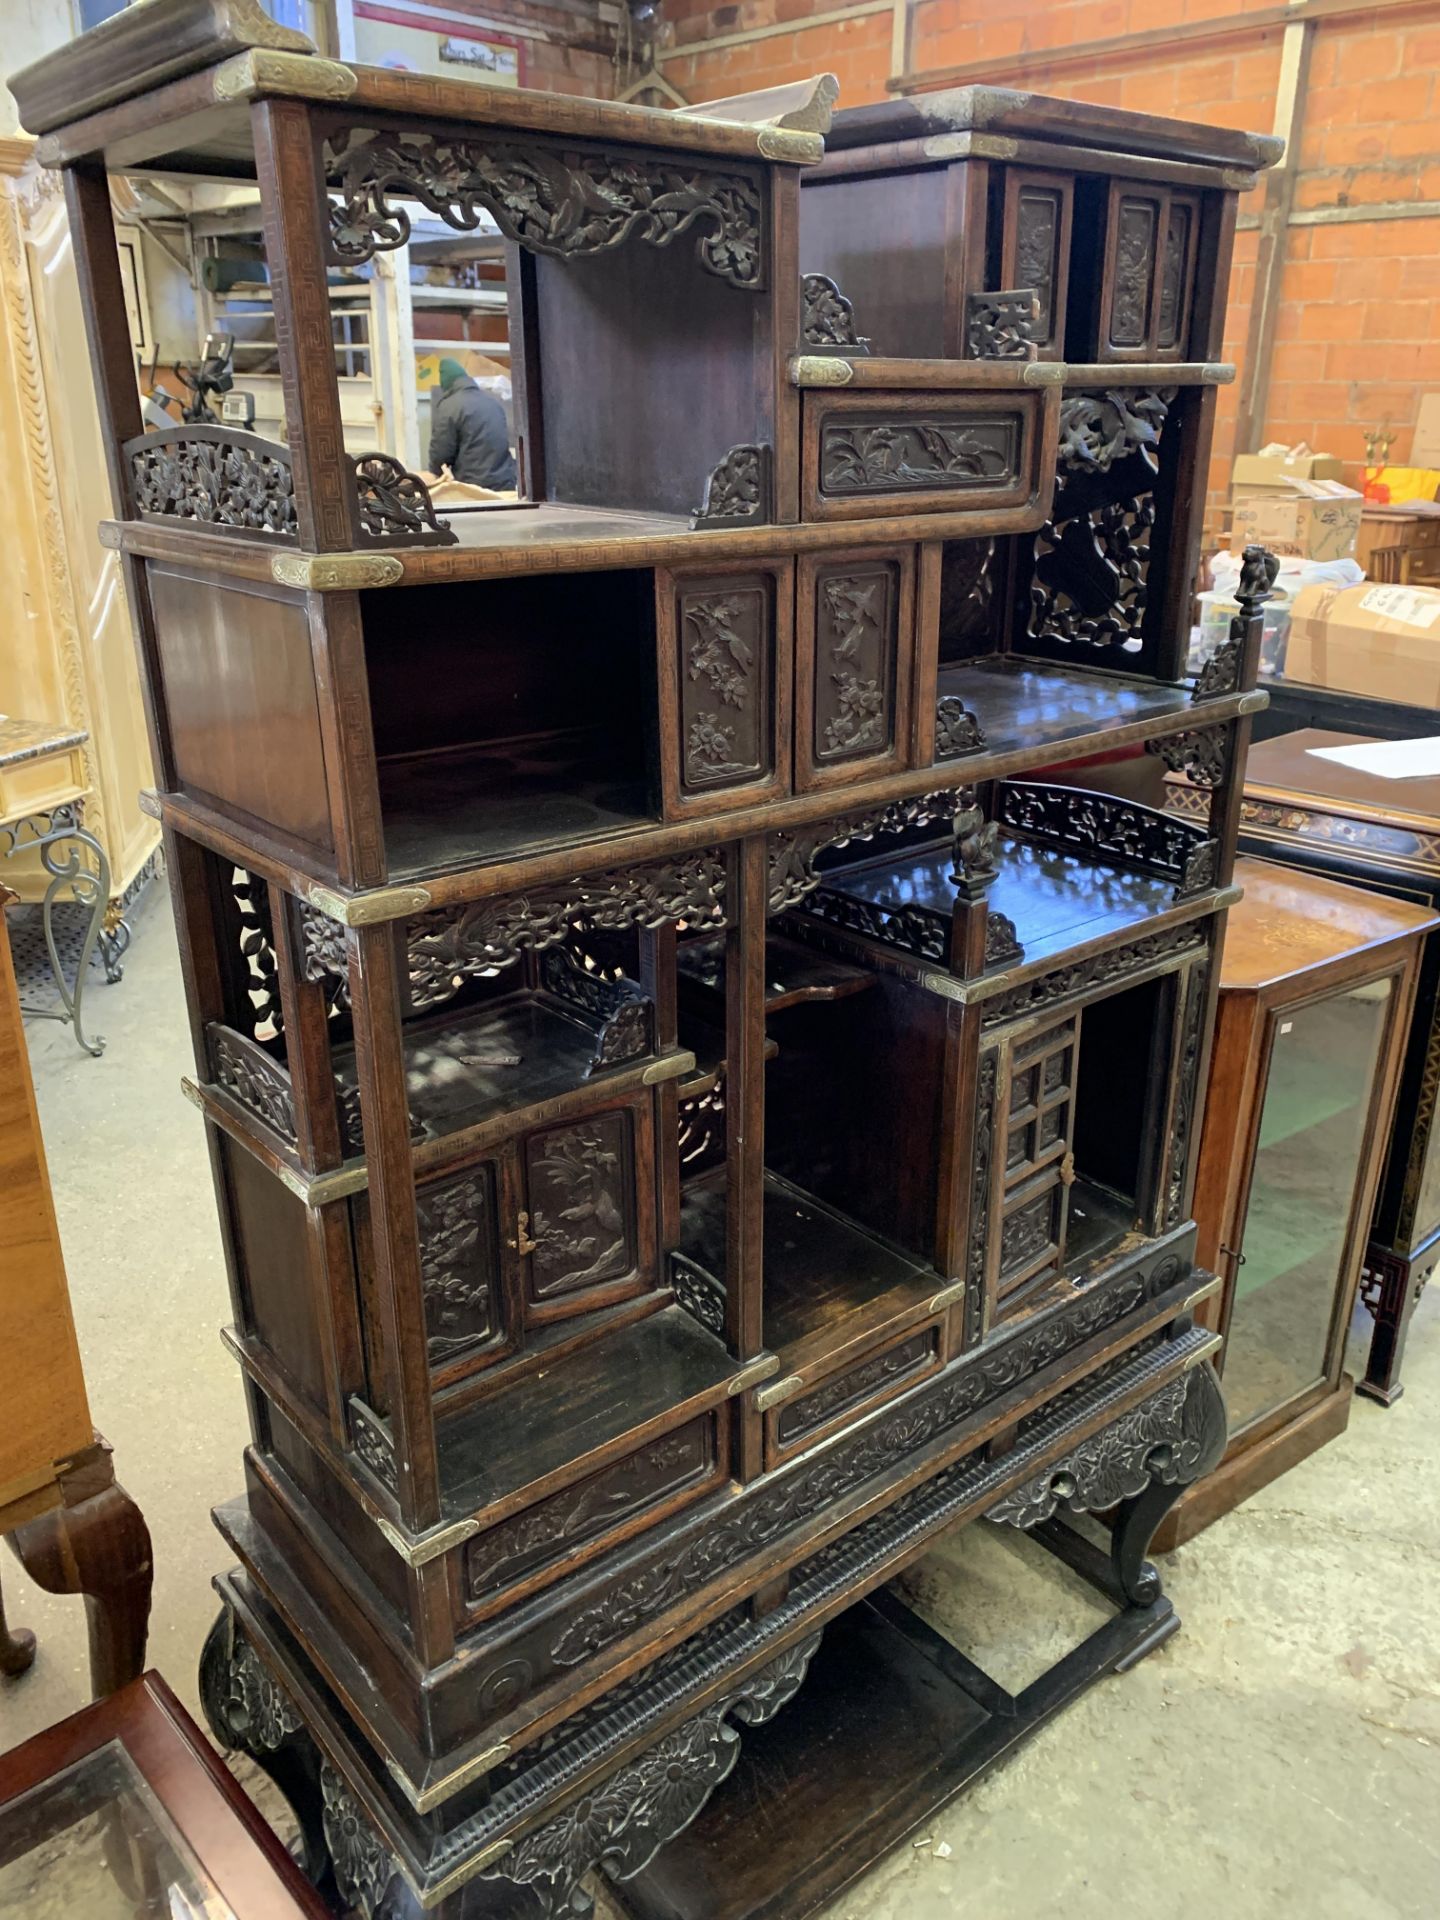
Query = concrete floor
x=1280 y=1756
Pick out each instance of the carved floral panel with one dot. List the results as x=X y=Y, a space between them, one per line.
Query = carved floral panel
x=918 y=453
x=1037 y=252
x=856 y=636
x=1136 y=222
x=1173 y=321
x=723 y=633
x=580 y=1181
x=459 y=1261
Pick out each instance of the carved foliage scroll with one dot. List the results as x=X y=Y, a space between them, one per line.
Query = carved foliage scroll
x=216 y=476
x=1001 y=326
x=724 y=637
x=793 y=853
x=1120 y=832
x=550 y=199
x=856 y=637
x=1092 y=557
x=737 y=493
x=253 y=1077
x=394 y=505
x=622 y=1823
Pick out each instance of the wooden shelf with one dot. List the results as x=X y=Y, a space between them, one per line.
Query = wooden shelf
x=1027 y=704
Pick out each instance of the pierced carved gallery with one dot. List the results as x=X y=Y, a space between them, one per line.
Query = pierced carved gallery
x=720 y=981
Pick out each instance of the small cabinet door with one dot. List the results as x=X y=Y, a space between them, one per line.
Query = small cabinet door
x=1177 y=277
x=1036 y=1168
x=725 y=670
x=1035 y=249
x=854 y=665
x=586 y=1230
x=458 y=1216
x=1136 y=222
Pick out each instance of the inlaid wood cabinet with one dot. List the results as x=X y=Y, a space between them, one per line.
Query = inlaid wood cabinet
x=698 y=1105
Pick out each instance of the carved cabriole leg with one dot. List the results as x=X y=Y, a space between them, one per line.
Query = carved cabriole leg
x=96 y=1544
x=1141 y=1464
x=247 y=1707
x=622 y=1824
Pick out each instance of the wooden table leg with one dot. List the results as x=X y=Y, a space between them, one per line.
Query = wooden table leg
x=96 y=1543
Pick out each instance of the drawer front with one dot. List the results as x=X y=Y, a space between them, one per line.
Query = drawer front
x=841 y=1397
x=587 y=1233
x=854 y=665
x=552 y=1538
x=1035 y=249
x=1035 y=1168
x=726 y=669
x=871 y=453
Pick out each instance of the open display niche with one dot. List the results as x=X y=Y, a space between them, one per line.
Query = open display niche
x=515 y=715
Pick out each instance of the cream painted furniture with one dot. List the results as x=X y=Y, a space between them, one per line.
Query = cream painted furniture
x=67 y=660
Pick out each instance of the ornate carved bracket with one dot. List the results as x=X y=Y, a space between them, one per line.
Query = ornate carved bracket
x=1112 y=832
x=215 y=476
x=1001 y=326
x=364 y=1866
x=244 y=1703
x=393 y=505
x=373 y=1442
x=1202 y=754
x=622 y=1824
x=550 y=199
x=793 y=853
x=737 y=494
x=957 y=731
x=699 y=1293
x=828 y=318
x=1172 y=1438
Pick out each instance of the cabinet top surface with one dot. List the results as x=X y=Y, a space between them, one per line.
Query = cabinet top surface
x=199 y=62
x=1290 y=921
x=1286 y=767
x=1040 y=116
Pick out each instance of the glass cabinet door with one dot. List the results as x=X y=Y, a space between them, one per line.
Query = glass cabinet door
x=1309 y=1161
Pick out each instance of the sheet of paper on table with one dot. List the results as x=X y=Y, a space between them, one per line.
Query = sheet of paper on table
x=1390 y=759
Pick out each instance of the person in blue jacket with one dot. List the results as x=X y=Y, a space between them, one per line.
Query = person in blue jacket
x=467 y=432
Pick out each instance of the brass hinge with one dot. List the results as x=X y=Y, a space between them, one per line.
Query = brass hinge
x=520 y=1240
x=1067 y=1169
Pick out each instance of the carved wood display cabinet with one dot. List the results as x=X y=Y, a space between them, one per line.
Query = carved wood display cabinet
x=697 y=1105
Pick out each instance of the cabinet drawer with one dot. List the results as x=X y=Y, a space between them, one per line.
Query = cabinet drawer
x=856 y=1387
x=855 y=661
x=542 y=1543
x=866 y=454
x=725 y=643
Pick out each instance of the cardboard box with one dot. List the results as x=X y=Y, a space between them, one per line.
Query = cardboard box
x=1251 y=470
x=1377 y=640
x=1306 y=519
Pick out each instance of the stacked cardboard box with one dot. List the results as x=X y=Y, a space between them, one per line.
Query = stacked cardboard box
x=1294 y=503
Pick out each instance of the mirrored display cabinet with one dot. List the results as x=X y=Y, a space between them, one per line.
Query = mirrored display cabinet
x=698 y=1104
x=1317 y=988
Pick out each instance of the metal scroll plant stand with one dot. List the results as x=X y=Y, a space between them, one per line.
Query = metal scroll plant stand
x=74 y=859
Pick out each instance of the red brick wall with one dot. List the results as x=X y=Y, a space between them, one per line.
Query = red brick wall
x=1358 y=329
